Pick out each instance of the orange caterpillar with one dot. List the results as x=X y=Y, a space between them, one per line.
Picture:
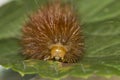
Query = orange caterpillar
x=53 y=33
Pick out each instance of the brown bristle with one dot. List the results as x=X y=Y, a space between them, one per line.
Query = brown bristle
x=53 y=33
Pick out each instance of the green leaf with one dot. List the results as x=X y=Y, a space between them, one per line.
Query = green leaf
x=14 y=15
x=100 y=21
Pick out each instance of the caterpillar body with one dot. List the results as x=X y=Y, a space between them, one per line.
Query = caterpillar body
x=53 y=33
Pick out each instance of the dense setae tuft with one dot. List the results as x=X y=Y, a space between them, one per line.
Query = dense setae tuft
x=53 y=33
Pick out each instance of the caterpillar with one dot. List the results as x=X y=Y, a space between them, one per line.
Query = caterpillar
x=53 y=32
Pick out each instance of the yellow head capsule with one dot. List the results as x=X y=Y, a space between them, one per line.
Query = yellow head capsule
x=58 y=52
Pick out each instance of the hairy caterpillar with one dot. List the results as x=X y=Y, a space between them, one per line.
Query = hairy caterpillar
x=53 y=33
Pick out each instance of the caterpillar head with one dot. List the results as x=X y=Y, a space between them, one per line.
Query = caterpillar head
x=58 y=52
